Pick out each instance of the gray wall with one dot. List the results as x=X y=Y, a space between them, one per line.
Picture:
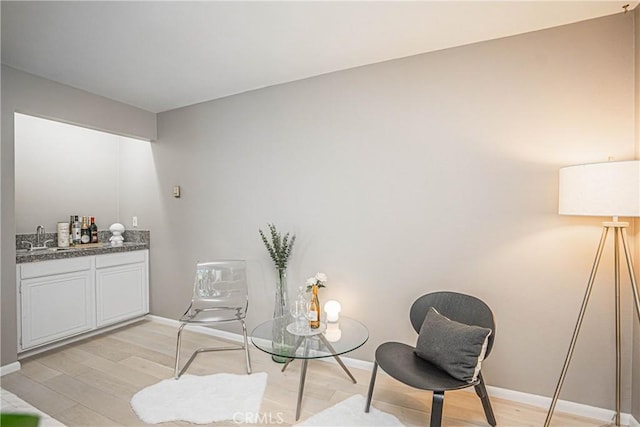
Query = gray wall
x=433 y=172
x=25 y=93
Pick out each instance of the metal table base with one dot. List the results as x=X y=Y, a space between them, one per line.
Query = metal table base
x=305 y=361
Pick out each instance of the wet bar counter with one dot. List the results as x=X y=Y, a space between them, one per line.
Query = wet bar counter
x=135 y=240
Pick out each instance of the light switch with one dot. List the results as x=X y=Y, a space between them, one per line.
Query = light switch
x=176 y=191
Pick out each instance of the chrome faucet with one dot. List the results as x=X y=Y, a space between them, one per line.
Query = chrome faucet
x=39 y=235
x=40 y=242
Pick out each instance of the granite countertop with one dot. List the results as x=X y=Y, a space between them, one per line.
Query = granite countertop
x=24 y=255
x=135 y=240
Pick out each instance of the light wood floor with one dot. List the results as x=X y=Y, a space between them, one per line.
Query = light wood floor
x=90 y=383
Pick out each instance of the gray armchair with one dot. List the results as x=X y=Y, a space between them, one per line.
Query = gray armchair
x=410 y=366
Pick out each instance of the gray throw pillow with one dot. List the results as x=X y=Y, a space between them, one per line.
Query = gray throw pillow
x=454 y=347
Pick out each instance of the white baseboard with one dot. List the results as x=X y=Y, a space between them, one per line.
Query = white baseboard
x=11 y=367
x=565 y=406
x=497 y=392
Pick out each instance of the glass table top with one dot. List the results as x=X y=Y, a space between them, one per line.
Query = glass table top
x=331 y=339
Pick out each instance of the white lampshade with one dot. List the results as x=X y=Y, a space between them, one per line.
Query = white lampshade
x=601 y=189
x=332 y=308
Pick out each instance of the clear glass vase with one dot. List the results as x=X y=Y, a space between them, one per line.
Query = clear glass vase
x=282 y=340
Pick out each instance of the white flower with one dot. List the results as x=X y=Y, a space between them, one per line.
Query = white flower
x=318 y=280
x=321 y=277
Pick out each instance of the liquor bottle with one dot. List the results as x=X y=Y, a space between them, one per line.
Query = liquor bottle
x=76 y=230
x=314 y=309
x=85 y=233
x=71 y=241
x=94 y=230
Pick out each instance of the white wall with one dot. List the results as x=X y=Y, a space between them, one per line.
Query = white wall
x=62 y=169
x=433 y=172
x=52 y=183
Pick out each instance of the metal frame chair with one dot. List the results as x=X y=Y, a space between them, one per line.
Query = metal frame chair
x=400 y=361
x=219 y=295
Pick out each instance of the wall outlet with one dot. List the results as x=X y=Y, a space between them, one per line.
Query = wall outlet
x=134 y=221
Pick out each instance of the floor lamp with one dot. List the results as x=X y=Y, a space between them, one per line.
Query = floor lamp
x=602 y=189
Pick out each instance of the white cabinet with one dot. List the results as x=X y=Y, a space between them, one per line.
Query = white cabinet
x=122 y=290
x=56 y=300
x=66 y=297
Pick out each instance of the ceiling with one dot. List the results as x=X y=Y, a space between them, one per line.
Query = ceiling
x=161 y=55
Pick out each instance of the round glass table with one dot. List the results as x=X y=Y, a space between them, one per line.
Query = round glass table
x=330 y=340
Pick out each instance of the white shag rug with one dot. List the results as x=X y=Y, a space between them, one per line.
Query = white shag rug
x=202 y=399
x=350 y=412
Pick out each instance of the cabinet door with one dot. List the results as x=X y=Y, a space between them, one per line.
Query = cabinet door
x=122 y=293
x=55 y=307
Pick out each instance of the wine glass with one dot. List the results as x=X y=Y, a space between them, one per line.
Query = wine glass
x=301 y=313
